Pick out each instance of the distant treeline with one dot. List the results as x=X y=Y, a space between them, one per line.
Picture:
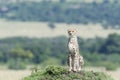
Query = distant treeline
x=106 y=13
x=46 y=49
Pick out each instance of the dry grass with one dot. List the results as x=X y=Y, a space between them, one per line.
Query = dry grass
x=13 y=75
x=114 y=74
x=37 y=29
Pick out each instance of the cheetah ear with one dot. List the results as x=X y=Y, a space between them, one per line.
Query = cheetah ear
x=68 y=30
x=75 y=30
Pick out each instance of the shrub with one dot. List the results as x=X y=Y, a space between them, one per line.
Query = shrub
x=61 y=73
x=55 y=70
x=12 y=64
x=51 y=25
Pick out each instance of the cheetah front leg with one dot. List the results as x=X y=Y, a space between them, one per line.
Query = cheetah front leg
x=70 y=63
x=74 y=65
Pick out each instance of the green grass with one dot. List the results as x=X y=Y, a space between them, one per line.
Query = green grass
x=61 y=73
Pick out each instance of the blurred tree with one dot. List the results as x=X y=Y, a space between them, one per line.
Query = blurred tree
x=1 y=57
x=19 y=52
x=111 y=45
x=18 y=56
x=62 y=1
x=106 y=13
x=41 y=50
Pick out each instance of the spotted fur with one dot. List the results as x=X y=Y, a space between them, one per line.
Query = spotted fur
x=75 y=60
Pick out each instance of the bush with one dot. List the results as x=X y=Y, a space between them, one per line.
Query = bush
x=61 y=73
x=12 y=64
x=55 y=70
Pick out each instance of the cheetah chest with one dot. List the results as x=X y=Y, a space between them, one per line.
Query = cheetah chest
x=72 y=45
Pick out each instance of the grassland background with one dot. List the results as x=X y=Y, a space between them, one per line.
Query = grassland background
x=41 y=29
